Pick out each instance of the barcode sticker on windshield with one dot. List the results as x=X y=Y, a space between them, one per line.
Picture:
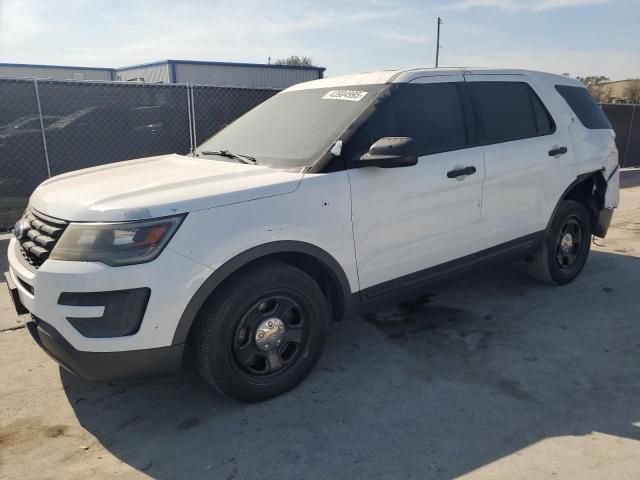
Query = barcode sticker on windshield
x=350 y=95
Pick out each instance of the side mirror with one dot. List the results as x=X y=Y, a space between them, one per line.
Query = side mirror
x=390 y=152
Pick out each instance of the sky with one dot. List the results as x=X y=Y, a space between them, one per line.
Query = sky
x=580 y=37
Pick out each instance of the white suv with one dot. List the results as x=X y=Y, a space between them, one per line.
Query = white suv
x=333 y=197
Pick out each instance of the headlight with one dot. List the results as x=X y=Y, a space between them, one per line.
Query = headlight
x=116 y=244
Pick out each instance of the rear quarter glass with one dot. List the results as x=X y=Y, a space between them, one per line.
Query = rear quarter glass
x=584 y=106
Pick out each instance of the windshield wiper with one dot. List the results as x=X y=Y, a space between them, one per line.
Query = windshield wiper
x=236 y=156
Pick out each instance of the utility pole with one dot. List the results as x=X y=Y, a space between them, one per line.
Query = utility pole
x=438 y=42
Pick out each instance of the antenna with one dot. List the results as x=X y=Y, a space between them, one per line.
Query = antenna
x=440 y=22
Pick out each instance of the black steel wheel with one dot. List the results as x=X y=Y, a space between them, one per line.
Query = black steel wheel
x=271 y=335
x=570 y=242
x=262 y=332
x=564 y=251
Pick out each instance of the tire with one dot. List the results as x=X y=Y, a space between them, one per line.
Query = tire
x=271 y=302
x=558 y=263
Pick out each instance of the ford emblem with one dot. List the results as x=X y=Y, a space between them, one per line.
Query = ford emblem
x=20 y=228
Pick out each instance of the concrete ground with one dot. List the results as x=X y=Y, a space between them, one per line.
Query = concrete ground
x=495 y=376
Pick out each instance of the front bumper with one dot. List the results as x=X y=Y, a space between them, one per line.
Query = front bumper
x=98 y=366
x=54 y=295
x=171 y=278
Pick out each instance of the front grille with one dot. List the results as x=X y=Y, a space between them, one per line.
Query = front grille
x=40 y=237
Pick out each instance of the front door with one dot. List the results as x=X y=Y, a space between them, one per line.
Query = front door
x=408 y=219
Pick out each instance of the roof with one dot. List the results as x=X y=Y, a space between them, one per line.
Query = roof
x=620 y=81
x=409 y=74
x=243 y=64
x=168 y=62
x=31 y=65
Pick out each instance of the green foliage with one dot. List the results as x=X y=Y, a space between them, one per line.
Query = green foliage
x=595 y=85
x=296 y=61
x=593 y=80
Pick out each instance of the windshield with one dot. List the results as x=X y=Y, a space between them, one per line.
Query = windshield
x=292 y=128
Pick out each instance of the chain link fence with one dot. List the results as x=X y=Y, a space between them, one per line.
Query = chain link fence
x=626 y=123
x=48 y=127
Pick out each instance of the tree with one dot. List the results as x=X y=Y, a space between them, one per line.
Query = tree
x=593 y=80
x=595 y=85
x=296 y=61
x=632 y=91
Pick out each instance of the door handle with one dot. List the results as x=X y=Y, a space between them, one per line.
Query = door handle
x=557 y=151
x=459 y=172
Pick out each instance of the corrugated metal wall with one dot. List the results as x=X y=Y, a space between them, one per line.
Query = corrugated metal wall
x=158 y=73
x=218 y=75
x=243 y=76
x=68 y=73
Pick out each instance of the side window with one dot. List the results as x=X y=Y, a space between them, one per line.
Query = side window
x=544 y=122
x=508 y=111
x=584 y=106
x=431 y=114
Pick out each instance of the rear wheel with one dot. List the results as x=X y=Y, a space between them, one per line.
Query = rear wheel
x=564 y=251
x=262 y=333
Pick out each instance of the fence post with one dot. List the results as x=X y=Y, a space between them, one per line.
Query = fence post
x=44 y=135
x=193 y=118
x=189 y=112
x=626 y=149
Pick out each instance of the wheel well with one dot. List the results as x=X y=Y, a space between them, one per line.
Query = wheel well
x=589 y=191
x=316 y=269
x=317 y=263
x=321 y=273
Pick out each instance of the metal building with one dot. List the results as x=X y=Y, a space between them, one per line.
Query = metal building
x=154 y=72
x=58 y=72
x=222 y=74
x=250 y=75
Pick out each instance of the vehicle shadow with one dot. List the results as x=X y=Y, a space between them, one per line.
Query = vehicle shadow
x=466 y=375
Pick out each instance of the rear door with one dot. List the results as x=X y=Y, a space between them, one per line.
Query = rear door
x=408 y=219
x=524 y=149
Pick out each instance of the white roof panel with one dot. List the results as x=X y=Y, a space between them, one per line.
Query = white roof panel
x=370 y=78
x=407 y=75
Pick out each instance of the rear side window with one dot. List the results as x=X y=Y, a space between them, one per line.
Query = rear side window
x=508 y=111
x=431 y=114
x=584 y=106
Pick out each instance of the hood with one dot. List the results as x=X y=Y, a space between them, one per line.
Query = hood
x=156 y=187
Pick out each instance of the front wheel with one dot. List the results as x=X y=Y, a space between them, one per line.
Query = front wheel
x=564 y=251
x=262 y=333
